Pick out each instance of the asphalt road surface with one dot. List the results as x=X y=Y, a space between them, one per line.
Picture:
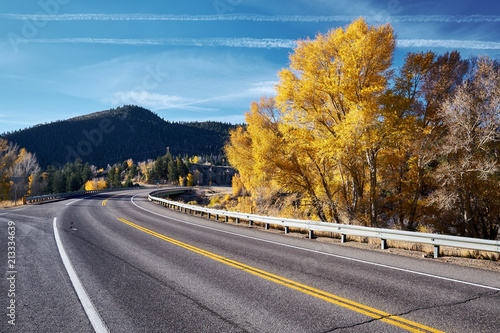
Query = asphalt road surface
x=118 y=263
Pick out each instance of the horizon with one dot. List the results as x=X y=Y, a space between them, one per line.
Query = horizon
x=111 y=109
x=204 y=62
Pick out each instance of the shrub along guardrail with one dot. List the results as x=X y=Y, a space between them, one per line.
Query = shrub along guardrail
x=436 y=240
x=28 y=200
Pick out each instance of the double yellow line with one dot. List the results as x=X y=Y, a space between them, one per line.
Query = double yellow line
x=105 y=201
x=348 y=304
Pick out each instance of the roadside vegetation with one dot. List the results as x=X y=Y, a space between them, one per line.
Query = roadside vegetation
x=350 y=139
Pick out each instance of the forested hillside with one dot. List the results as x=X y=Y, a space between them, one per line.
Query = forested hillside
x=115 y=135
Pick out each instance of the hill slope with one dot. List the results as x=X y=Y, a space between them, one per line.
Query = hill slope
x=115 y=135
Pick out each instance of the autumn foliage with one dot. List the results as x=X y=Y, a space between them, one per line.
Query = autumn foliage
x=95 y=184
x=357 y=142
x=17 y=171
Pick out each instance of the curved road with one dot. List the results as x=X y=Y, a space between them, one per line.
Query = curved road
x=119 y=263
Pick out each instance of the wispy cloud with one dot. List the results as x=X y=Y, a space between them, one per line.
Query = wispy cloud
x=263 y=42
x=161 y=100
x=452 y=44
x=253 y=17
x=208 y=42
x=267 y=88
x=155 y=101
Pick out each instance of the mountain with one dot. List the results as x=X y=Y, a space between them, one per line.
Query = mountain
x=112 y=136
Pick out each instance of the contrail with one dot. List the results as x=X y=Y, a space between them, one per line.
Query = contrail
x=255 y=18
x=263 y=42
x=449 y=43
x=206 y=42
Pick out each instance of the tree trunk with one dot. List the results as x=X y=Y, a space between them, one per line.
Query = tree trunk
x=371 y=156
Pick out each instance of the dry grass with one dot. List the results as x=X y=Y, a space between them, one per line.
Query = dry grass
x=425 y=250
x=10 y=203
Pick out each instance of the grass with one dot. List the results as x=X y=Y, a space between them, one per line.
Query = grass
x=10 y=203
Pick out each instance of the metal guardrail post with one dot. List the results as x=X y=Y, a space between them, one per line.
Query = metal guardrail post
x=436 y=251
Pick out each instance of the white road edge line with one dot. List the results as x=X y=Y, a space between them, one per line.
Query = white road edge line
x=320 y=252
x=89 y=308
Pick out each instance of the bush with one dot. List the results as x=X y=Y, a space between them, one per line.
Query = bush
x=215 y=200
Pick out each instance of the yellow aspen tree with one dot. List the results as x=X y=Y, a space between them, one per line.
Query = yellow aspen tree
x=332 y=87
x=237 y=185
x=189 y=180
x=91 y=185
x=95 y=184
x=239 y=154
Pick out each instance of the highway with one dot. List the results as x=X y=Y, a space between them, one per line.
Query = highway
x=115 y=262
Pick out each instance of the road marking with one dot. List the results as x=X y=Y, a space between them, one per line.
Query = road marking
x=105 y=201
x=320 y=252
x=89 y=308
x=11 y=211
x=343 y=302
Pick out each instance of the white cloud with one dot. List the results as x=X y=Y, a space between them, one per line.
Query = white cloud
x=202 y=42
x=454 y=44
x=253 y=18
x=267 y=42
x=266 y=88
x=148 y=99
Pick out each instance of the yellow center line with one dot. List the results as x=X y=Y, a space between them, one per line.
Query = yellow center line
x=343 y=302
x=105 y=201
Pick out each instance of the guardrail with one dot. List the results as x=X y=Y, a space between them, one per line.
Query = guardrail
x=28 y=200
x=436 y=240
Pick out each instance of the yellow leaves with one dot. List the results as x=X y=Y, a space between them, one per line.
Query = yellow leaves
x=189 y=179
x=335 y=81
x=95 y=184
x=326 y=114
x=89 y=186
x=30 y=183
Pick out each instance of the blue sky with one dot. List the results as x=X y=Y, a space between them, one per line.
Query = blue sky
x=194 y=60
